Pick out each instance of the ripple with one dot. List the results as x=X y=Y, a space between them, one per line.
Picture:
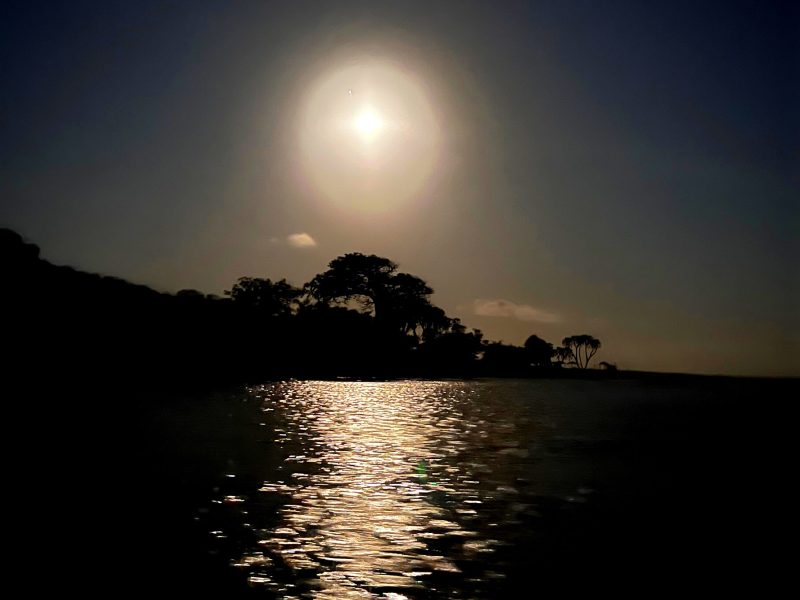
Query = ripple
x=395 y=490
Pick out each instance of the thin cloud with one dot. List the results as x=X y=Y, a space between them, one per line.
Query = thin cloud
x=301 y=240
x=505 y=308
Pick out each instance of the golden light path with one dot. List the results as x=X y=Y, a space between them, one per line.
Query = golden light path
x=376 y=476
x=369 y=137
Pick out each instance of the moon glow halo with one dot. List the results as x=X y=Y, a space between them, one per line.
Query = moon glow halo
x=369 y=137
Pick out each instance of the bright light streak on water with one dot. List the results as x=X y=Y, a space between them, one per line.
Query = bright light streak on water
x=459 y=489
x=376 y=485
x=387 y=488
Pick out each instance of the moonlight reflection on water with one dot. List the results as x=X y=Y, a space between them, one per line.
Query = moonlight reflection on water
x=383 y=487
x=473 y=489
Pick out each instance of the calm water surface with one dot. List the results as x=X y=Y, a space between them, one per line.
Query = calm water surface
x=458 y=489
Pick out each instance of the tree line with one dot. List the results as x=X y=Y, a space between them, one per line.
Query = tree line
x=361 y=317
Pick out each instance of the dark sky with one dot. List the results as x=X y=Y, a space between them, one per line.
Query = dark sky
x=625 y=169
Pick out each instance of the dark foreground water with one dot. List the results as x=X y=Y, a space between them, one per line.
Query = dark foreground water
x=414 y=489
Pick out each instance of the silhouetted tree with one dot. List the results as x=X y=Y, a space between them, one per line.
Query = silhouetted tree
x=354 y=276
x=582 y=348
x=540 y=352
x=451 y=353
x=259 y=330
x=563 y=356
x=396 y=299
x=434 y=322
x=274 y=298
x=501 y=359
x=407 y=304
x=191 y=296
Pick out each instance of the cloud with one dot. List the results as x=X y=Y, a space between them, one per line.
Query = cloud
x=504 y=308
x=300 y=240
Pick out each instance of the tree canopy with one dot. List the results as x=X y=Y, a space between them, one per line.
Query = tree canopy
x=540 y=353
x=360 y=317
x=579 y=349
x=399 y=300
x=273 y=298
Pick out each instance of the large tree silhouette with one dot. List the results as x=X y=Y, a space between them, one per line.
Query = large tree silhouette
x=396 y=299
x=540 y=352
x=355 y=276
x=273 y=298
x=581 y=349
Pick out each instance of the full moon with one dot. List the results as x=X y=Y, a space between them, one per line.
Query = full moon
x=368 y=124
x=369 y=137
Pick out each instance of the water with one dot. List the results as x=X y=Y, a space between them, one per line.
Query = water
x=418 y=489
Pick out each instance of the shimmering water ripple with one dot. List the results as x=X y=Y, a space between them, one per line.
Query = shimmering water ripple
x=388 y=489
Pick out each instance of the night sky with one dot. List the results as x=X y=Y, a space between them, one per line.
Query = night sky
x=623 y=169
